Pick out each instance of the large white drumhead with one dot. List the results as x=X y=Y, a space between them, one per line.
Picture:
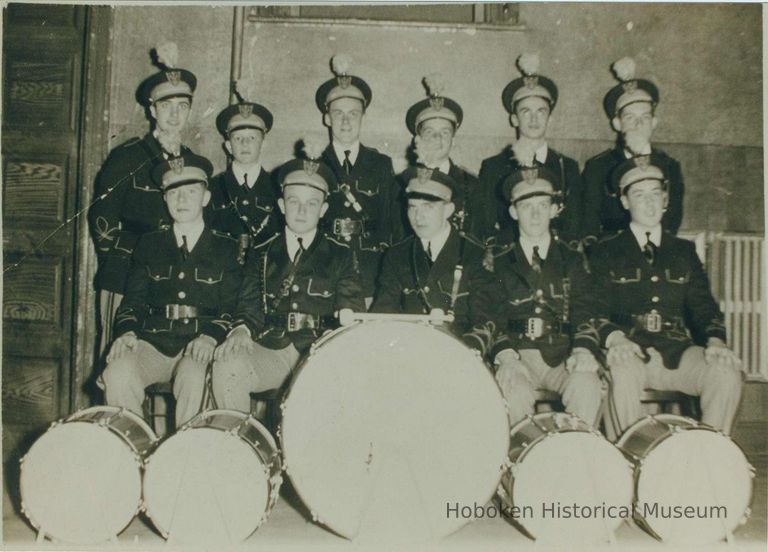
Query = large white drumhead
x=577 y=487
x=205 y=485
x=694 y=487
x=80 y=483
x=388 y=424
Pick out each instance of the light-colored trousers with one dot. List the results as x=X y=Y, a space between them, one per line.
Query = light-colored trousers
x=719 y=387
x=581 y=392
x=262 y=369
x=126 y=378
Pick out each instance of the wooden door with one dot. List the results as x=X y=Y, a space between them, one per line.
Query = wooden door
x=43 y=52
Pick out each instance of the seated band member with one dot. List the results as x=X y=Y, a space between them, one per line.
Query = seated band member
x=180 y=292
x=363 y=209
x=546 y=291
x=631 y=107
x=434 y=122
x=653 y=289
x=293 y=285
x=438 y=268
x=243 y=202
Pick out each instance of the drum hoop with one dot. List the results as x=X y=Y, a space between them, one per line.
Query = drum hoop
x=115 y=412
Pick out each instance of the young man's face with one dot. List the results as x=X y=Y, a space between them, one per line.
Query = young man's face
x=533 y=214
x=345 y=118
x=245 y=145
x=531 y=117
x=428 y=218
x=302 y=206
x=437 y=134
x=636 y=123
x=645 y=202
x=171 y=115
x=185 y=203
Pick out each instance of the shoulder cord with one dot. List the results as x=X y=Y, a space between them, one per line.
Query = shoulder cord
x=417 y=282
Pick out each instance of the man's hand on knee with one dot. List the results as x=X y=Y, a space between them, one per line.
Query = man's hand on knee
x=123 y=345
x=581 y=360
x=201 y=349
x=238 y=341
x=622 y=349
x=717 y=353
x=508 y=364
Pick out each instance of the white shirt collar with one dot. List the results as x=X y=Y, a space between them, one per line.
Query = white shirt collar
x=527 y=244
x=445 y=166
x=642 y=238
x=437 y=242
x=292 y=240
x=253 y=173
x=192 y=233
x=646 y=151
x=354 y=149
x=541 y=153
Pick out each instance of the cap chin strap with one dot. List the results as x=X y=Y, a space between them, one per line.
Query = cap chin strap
x=538 y=193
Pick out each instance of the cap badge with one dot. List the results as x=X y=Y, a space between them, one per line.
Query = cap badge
x=437 y=102
x=176 y=164
x=531 y=81
x=344 y=81
x=629 y=86
x=643 y=161
x=174 y=77
x=245 y=110
x=530 y=175
x=311 y=167
x=423 y=174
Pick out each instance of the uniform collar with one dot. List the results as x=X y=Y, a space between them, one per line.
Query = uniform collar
x=641 y=237
x=437 y=242
x=629 y=155
x=292 y=240
x=527 y=245
x=192 y=232
x=354 y=150
x=253 y=173
x=541 y=153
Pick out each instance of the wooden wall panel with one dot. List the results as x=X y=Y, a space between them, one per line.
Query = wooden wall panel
x=38 y=93
x=34 y=190
x=29 y=390
x=55 y=16
x=32 y=292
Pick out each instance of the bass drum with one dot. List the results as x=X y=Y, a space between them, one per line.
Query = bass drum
x=567 y=483
x=214 y=481
x=693 y=484
x=387 y=425
x=81 y=481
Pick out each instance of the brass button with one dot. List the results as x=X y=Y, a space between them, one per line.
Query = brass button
x=655 y=299
x=181 y=275
x=654 y=278
x=182 y=295
x=539 y=292
x=426 y=289
x=294 y=306
x=246 y=202
x=537 y=310
x=295 y=287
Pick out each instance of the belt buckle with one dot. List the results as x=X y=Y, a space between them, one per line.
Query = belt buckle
x=653 y=322
x=337 y=226
x=293 y=321
x=534 y=327
x=172 y=312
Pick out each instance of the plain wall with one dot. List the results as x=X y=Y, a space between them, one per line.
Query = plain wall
x=706 y=59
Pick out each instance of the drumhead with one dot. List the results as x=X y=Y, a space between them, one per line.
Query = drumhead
x=205 y=485
x=572 y=486
x=387 y=424
x=80 y=483
x=694 y=486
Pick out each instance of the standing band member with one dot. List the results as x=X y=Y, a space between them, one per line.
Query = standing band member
x=293 y=285
x=530 y=100
x=438 y=268
x=179 y=296
x=544 y=341
x=363 y=201
x=631 y=107
x=243 y=202
x=653 y=289
x=433 y=122
x=130 y=203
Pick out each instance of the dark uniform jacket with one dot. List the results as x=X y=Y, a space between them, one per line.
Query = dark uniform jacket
x=603 y=213
x=675 y=287
x=208 y=279
x=495 y=169
x=132 y=205
x=408 y=284
x=372 y=183
x=238 y=210
x=325 y=281
x=560 y=295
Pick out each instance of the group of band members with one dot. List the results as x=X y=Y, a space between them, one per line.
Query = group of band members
x=559 y=279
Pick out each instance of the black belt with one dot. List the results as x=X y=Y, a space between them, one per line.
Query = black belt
x=653 y=321
x=538 y=327
x=296 y=321
x=347 y=227
x=180 y=312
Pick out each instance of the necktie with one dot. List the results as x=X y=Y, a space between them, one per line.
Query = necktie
x=299 y=251
x=429 y=253
x=347 y=163
x=184 y=248
x=649 y=249
x=536 y=259
x=245 y=180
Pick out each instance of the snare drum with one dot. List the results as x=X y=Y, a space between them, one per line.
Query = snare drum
x=566 y=483
x=214 y=481
x=693 y=484
x=81 y=481
x=388 y=426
